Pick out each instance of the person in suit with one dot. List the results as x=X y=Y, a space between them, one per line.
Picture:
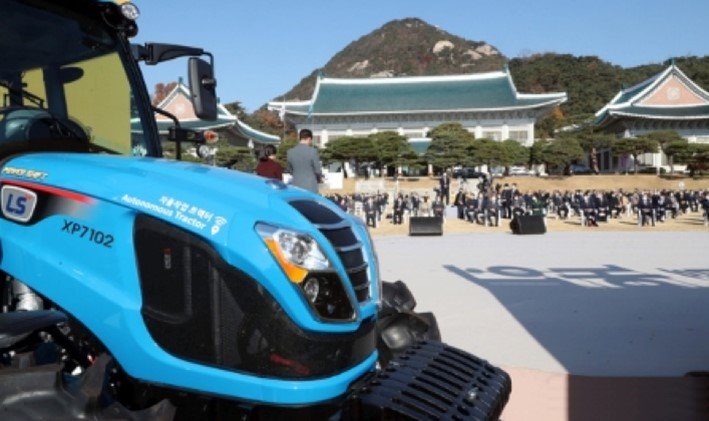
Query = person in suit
x=304 y=163
x=399 y=207
x=268 y=166
x=646 y=212
x=445 y=187
x=370 y=212
x=459 y=201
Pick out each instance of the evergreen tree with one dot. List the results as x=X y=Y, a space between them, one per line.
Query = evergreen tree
x=634 y=146
x=449 y=146
x=562 y=152
x=393 y=150
x=591 y=141
x=678 y=148
x=488 y=152
x=514 y=154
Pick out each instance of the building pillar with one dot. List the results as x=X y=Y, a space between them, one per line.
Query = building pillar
x=323 y=137
x=530 y=134
x=401 y=131
x=505 y=132
x=349 y=132
x=478 y=132
x=430 y=169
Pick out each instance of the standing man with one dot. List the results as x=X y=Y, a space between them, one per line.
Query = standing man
x=445 y=185
x=304 y=163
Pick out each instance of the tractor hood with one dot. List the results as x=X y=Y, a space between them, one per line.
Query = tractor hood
x=206 y=200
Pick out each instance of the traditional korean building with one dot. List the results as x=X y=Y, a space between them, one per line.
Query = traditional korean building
x=666 y=101
x=486 y=104
x=178 y=103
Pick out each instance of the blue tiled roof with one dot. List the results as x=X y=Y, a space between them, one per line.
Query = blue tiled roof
x=485 y=91
x=256 y=135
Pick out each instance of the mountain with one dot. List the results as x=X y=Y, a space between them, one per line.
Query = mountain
x=406 y=47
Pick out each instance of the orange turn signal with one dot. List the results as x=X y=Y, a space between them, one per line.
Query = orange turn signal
x=211 y=137
x=295 y=273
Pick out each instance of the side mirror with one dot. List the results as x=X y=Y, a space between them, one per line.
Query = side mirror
x=203 y=87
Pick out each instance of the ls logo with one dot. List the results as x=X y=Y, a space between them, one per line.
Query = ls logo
x=18 y=204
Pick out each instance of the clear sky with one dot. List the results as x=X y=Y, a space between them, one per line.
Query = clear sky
x=263 y=48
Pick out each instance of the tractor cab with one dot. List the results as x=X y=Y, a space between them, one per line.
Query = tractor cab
x=69 y=80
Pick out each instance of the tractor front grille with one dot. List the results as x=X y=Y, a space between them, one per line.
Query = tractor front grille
x=343 y=239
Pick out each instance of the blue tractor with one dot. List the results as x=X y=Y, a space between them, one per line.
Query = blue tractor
x=135 y=287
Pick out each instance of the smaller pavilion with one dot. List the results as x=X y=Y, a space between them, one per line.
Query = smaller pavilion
x=667 y=101
x=178 y=103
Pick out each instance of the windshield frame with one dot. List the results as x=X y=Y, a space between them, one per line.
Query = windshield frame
x=97 y=12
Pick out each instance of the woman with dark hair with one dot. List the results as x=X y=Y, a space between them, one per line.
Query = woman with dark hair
x=268 y=166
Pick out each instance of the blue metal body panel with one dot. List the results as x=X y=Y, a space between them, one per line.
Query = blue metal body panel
x=99 y=285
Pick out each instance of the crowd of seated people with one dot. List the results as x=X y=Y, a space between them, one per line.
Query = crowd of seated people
x=488 y=207
x=594 y=206
x=372 y=208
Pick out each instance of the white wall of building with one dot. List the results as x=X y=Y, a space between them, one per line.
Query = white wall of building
x=520 y=129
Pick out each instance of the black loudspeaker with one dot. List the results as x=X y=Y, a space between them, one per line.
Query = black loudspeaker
x=425 y=225
x=528 y=224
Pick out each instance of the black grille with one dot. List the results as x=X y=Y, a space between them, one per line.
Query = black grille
x=434 y=381
x=343 y=239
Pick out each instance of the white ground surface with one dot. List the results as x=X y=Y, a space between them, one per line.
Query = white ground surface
x=597 y=304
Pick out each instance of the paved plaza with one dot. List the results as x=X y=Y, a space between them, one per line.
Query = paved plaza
x=596 y=304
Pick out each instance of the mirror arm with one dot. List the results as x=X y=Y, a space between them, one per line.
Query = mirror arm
x=153 y=53
x=174 y=133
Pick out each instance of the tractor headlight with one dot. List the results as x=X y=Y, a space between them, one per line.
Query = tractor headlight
x=312 y=289
x=304 y=263
x=297 y=253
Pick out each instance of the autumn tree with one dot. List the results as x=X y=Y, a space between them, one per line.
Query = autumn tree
x=162 y=90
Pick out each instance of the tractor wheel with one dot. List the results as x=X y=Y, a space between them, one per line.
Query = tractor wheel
x=47 y=392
